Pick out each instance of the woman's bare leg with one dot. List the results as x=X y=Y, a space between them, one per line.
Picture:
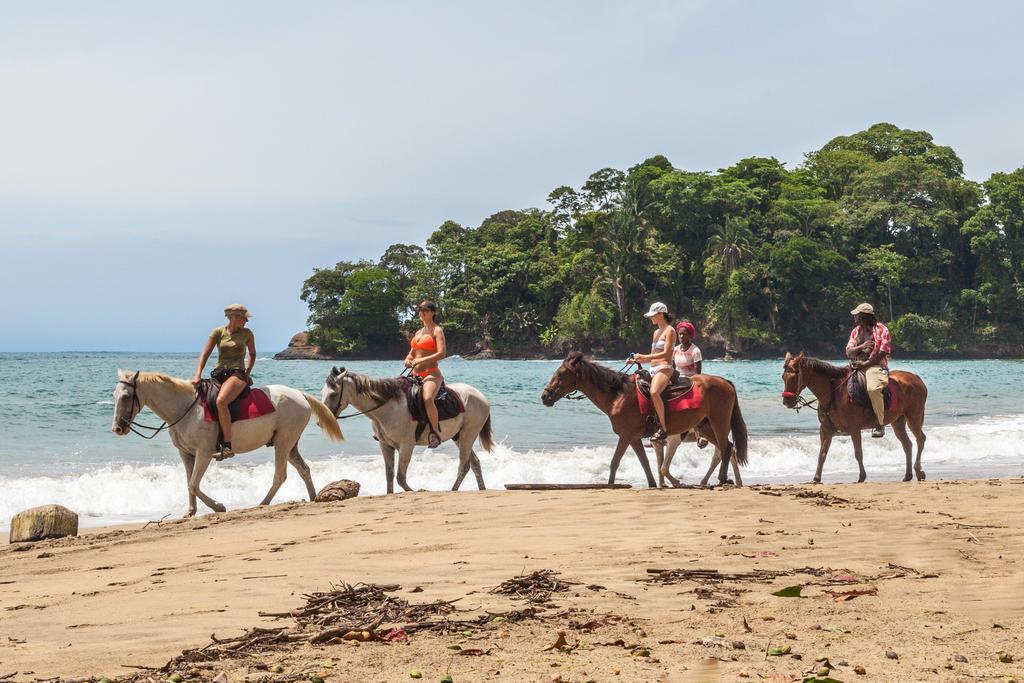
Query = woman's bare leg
x=431 y=385
x=658 y=384
x=229 y=391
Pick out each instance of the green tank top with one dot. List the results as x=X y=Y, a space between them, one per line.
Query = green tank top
x=231 y=347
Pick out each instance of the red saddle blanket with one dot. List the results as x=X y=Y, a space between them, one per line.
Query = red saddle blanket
x=688 y=401
x=255 y=404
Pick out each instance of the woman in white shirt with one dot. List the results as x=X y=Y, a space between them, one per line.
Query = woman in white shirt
x=686 y=354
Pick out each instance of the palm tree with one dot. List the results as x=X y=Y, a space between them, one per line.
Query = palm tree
x=621 y=257
x=731 y=243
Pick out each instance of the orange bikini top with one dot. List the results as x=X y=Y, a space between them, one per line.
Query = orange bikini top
x=424 y=342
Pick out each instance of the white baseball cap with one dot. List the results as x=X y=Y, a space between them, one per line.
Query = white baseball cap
x=656 y=308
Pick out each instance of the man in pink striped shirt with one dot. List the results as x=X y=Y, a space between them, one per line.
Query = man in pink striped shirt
x=869 y=349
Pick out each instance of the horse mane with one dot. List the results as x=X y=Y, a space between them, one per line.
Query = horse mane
x=824 y=368
x=601 y=376
x=183 y=386
x=380 y=390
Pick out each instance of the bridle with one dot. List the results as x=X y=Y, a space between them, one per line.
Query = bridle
x=134 y=426
x=337 y=409
x=802 y=402
x=577 y=395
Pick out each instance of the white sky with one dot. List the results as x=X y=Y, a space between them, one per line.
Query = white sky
x=160 y=160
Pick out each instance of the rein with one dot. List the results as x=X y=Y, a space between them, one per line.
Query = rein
x=809 y=403
x=577 y=395
x=134 y=426
x=341 y=392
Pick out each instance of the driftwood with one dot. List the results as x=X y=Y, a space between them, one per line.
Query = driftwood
x=564 y=487
x=668 y=576
x=536 y=587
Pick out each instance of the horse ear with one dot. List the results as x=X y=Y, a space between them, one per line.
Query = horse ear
x=799 y=357
x=574 y=359
x=342 y=372
x=335 y=372
x=789 y=356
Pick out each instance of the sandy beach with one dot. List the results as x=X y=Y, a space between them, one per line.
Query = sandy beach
x=905 y=582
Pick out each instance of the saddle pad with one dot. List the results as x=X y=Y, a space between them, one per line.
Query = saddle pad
x=691 y=400
x=255 y=404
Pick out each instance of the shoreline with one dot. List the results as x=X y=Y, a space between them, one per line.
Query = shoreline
x=158 y=590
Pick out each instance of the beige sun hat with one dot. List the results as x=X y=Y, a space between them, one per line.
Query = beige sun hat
x=237 y=309
x=863 y=308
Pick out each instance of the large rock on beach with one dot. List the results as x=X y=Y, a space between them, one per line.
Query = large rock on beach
x=343 y=489
x=299 y=348
x=47 y=521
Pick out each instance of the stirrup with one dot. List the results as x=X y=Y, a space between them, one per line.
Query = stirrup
x=702 y=442
x=226 y=451
x=878 y=432
x=660 y=436
x=433 y=440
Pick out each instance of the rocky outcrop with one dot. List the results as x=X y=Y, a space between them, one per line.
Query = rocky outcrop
x=299 y=348
x=47 y=521
x=343 y=489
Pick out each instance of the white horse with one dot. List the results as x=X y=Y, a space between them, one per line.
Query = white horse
x=384 y=402
x=667 y=451
x=176 y=402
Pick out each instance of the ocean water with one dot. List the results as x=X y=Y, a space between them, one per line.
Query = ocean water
x=56 y=445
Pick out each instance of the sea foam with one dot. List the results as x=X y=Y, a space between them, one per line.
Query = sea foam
x=112 y=493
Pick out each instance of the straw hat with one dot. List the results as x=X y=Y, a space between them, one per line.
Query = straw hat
x=237 y=309
x=863 y=308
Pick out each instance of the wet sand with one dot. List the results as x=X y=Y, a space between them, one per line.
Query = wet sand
x=940 y=562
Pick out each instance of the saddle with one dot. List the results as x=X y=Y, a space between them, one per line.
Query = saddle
x=449 y=404
x=856 y=389
x=249 y=404
x=674 y=395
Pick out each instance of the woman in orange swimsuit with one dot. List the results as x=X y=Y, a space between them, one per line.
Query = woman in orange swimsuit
x=427 y=348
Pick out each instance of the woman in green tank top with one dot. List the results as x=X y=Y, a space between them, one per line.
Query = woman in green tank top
x=233 y=371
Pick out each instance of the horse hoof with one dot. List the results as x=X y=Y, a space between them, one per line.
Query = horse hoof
x=861 y=480
x=217 y=507
x=907 y=478
x=816 y=480
x=189 y=514
x=920 y=475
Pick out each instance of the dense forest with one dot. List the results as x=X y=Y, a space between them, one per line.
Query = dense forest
x=760 y=257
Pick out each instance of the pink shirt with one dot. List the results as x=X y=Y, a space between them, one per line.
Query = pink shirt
x=686 y=359
x=882 y=338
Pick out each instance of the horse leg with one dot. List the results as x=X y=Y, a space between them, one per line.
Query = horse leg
x=716 y=459
x=641 y=455
x=665 y=468
x=620 y=448
x=736 y=471
x=720 y=425
x=302 y=468
x=858 y=452
x=189 y=461
x=404 y=457
x=202 y=462
x=916 y=424
x=825 y=435
x=280 y=472
x=474 y=462
x=659 y=454
x=464 y=460
x=899 y=428
x=388 y=453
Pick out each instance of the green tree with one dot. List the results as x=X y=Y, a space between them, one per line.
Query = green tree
x=886 y=266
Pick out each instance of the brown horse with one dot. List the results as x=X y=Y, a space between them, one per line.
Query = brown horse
x=838 y=414
x=615 y=394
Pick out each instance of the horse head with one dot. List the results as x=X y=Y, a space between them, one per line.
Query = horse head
x=565 y=380
x=127 y=403
x=792 y=379
x=333 y=392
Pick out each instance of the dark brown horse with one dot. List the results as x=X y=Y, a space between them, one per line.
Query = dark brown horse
x=838 y=414
x=615 y=394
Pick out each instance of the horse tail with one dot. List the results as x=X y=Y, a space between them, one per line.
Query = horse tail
x=325 y=419
x=485 y=436
x=739 y=433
